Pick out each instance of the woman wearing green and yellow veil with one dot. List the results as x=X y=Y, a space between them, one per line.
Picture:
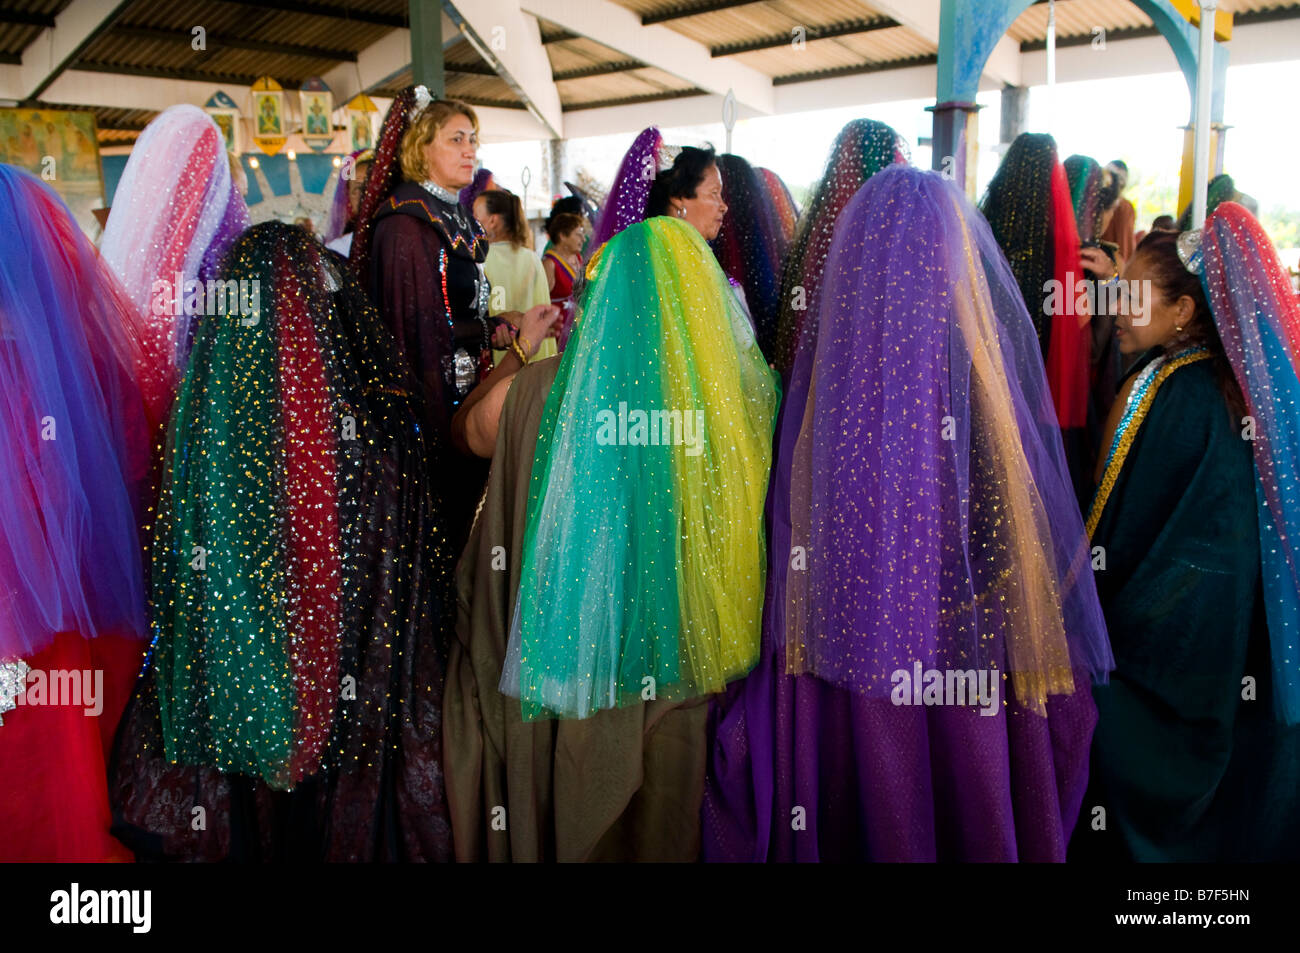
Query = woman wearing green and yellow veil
x=614 y=575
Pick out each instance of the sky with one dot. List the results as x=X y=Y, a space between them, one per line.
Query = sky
x=1136 y=118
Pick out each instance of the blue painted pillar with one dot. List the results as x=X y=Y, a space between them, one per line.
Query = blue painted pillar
x=967 y=34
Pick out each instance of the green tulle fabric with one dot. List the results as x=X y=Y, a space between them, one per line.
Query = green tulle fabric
x=214 y=520
x=644 y=556
x=248 y=550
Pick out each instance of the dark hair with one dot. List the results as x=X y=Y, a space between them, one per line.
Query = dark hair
x=557 y=226
x=1171 y=277
x=681 y=181
x=570 y=204
x=507 y=205
x=1121 y=163
x=1109 y=193
x=1163 y=223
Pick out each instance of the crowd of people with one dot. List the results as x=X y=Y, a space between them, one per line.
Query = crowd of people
x=893 y=529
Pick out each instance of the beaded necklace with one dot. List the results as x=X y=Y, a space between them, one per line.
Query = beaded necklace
x=459 y=369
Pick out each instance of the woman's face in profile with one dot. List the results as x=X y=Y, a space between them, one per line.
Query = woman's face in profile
x=706 y=210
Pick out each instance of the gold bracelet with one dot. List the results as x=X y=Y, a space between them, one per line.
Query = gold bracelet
x=519 y=352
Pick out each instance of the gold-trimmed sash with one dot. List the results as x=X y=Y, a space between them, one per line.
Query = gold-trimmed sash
x=1139 y=404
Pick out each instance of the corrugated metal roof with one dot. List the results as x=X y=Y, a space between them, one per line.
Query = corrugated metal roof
x=773 y=20
x=156 y=36
x=153 y=38
x=15 y=35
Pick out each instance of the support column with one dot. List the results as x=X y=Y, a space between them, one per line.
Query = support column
x=426 y=47
x=955 y=149
x=557 y=167
x=1015 y=110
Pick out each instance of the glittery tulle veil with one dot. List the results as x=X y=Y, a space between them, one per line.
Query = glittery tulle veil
x=862 y=148
x=643 y=559
x=176 y=211
x=1258 y=318
x=298 y=613
x=79 y=401
x=980 y=559
x=625 y=204
x=751 y=245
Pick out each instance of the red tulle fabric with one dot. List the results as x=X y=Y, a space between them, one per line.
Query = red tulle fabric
x=311 y=492
x=1069 y=352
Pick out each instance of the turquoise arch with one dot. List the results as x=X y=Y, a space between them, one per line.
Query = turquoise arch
x=968 y=32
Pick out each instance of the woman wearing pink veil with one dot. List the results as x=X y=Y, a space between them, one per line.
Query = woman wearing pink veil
x=176 y=211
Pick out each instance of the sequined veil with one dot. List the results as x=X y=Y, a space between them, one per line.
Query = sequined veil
x=385 y=175
x=1029 y=207
x=1222 y=188
x=175 y=213
x=80 y=396
x=644 y=552
x=336 y=225
x=299 y=592
x=1003 y=579
x=750 y=245
x=1085 y=177
x=862 y=148
x=80 y=392
x=787 y=211
x=1258 y=319
x=922 y=518
x=625 y=204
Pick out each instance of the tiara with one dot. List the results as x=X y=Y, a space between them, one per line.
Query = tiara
x=667 y=155
x=1189 y=251
x=422 y=100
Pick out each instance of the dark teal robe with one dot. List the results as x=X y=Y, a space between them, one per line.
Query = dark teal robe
x=1185 y=768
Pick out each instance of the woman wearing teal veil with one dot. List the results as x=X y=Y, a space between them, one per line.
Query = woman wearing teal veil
x=1196 y=756
x=615 y=571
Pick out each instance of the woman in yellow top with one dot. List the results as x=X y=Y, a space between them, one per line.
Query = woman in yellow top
x=513 y=270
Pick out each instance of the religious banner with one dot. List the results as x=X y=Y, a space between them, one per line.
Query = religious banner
x=268 y=116
x=317 y=114
x=225 y=113
x=62 y=149
x=361 y=130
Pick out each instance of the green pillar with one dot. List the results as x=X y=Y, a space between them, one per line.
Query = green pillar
x=426 y=47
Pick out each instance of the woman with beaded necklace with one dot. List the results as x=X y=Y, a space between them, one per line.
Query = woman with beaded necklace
x=1195 y=757
x=422 y=252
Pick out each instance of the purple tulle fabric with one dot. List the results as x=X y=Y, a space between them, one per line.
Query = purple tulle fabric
x=72 y=406
x=476 y=188
x=802 y=769
x=625 y=204
x=336 y=226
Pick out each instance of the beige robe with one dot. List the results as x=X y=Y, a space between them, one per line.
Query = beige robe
x=624 y=784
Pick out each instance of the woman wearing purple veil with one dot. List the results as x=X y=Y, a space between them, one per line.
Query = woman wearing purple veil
x=931 y=623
